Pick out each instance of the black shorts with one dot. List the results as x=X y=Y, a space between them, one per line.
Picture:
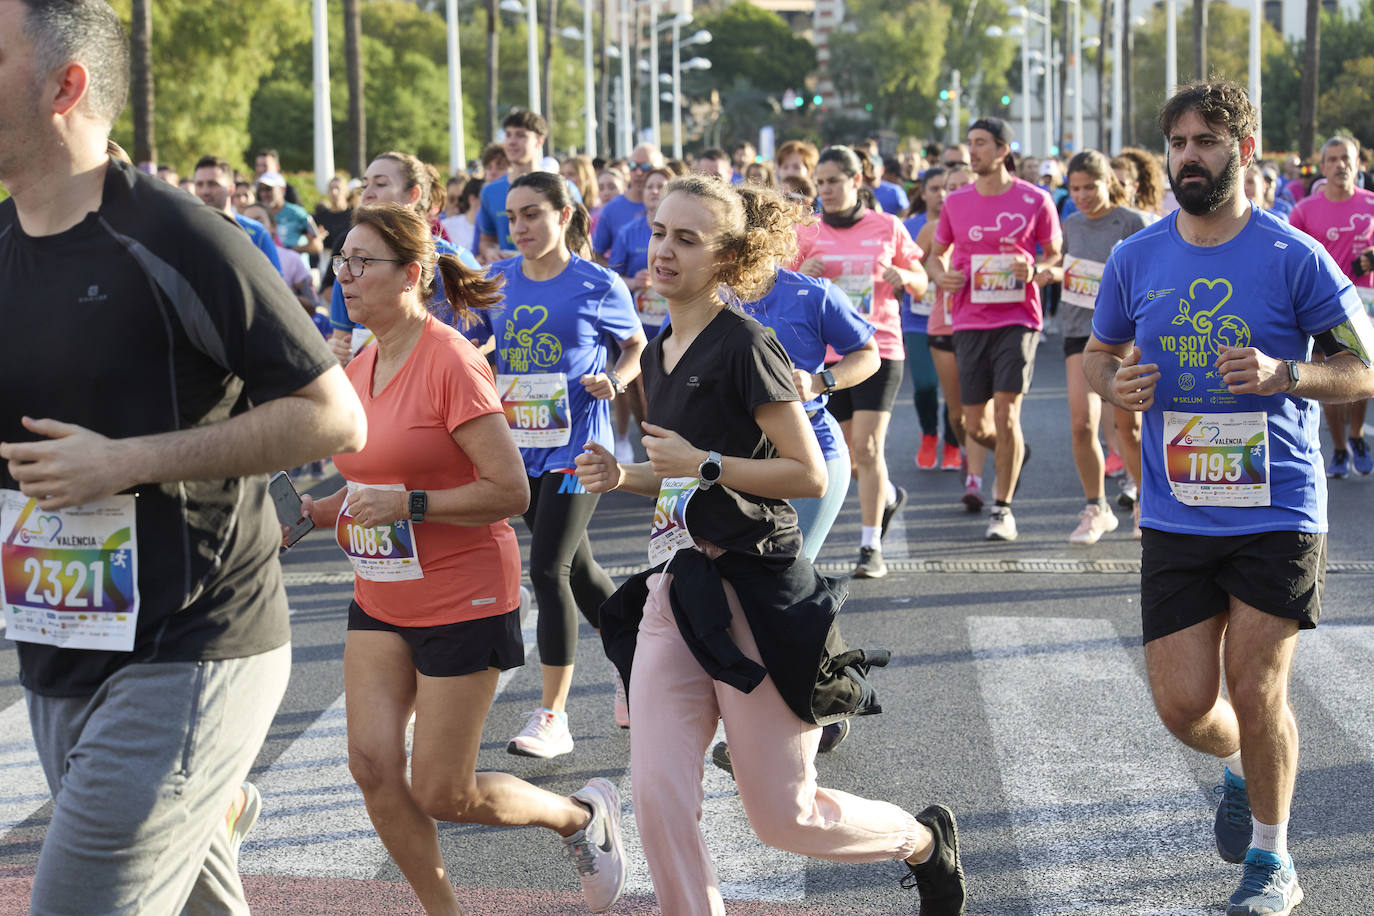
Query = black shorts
x=454 y=649
x=992 y=360
x=877 y=392
x=1186 y=578
x=1074 y=345
x=940 y=342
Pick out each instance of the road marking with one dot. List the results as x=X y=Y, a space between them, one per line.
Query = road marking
x=746 y=868
x=894 y=544
x=1096 y=788
x=23 y=790
x=314 y=820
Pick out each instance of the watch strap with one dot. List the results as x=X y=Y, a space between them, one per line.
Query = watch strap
x=419 y=505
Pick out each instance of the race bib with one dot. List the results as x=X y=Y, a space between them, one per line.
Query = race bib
x=1081 y=281
x=926 y=304
x=385 y=553
x=669 y=533
x=361 y=338
x=993 y=280
x=855 y=279
x=536 y=408
x=1219 y=459
x=69 y=578
x=652 y=308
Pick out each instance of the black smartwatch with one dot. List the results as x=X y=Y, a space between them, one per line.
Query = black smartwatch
x=708 y=472
x=616 y=383
x=419 y=503
x=828 y=380
x=1293 y=374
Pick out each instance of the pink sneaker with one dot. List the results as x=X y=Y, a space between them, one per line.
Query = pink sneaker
x=953 y=459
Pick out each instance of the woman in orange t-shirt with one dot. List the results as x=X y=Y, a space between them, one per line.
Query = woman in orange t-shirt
x=435 y=616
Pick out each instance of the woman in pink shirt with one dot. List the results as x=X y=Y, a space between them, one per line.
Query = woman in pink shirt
x=871 y=257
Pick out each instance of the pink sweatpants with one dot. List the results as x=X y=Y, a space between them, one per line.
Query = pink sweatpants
x=675 y=705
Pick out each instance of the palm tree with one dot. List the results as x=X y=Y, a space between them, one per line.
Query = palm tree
x=1307 y=100
x=493 y=58
x=353 y=64
x=141 y=77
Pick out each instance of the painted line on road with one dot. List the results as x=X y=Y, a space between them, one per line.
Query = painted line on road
x=314 y=820
x=1096 y=788
x=746 y=868
x=23 y=789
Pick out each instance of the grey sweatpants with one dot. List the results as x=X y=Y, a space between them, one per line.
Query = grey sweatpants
x=142 y=774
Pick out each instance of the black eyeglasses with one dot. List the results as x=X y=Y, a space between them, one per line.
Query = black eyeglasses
x=356 y=264
x=954 y=165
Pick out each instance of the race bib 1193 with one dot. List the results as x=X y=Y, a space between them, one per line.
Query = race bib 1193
x=1217 y=459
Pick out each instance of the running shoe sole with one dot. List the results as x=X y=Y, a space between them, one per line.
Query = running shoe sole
x=252 y=808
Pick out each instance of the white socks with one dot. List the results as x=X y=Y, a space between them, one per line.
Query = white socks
x=1270 y=837
x=868 y=536
x=1232 y=763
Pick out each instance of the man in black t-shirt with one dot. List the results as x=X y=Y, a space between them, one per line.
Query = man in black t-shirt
x=152 y=370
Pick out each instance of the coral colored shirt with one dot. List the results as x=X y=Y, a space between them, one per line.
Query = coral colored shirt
x=469 y=572
x=855 y=259
x=987 y=232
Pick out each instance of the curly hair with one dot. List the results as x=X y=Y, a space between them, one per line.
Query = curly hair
x=1221 y=103
x=1149 y=178
x=755 y=227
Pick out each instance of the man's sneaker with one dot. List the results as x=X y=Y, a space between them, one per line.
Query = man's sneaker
x=890 y=511
x=545 y=735
x=1093 y=522
x=940 y=879
x=1339 y=465
x=624 y=450
x=1232 y=826
x=241 y=821
x=1269 y=887
x=1360 y=459
x=720 y=756
x=871 y=565
x=1001 y=525
x=973 y=496
x=832 y=735
x=595 y=850
x=953 y=459
x=622 y=703
x=928 y=453
x=1129 y=493
x=1114 y=466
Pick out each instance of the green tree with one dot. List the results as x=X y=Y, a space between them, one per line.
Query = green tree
x=753 y=47
x=892 y=56
x=1348 y=105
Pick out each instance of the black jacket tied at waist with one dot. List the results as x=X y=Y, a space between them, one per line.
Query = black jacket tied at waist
x=791 y=610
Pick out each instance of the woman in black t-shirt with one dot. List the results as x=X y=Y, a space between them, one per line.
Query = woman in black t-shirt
x=726 y=620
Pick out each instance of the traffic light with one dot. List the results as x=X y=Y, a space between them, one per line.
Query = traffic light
x=944 y=95
x=798 y=101
x=1006 y=100
x=817 y=100
x=868 y=106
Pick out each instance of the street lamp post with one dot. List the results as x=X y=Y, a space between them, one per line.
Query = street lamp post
x=627 y=130
x=573 y=33
x=532 y=52
x=1118 y=35
x=653 y=74
x=457 y=156
x=324 y=127
x=701 y=36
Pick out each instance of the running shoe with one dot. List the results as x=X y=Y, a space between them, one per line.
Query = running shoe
x=595 y=850
x=1339 y=467
x=624 y=450
x=242 y=820
x=1001 y=525
x=928 y=453
x=1360 y=459
x=973 y=495
x=622 y=703
x=953 y=459
x=1114 y=466
x=720 y=756
x=1268 y=887
x=545 y=735
x=870 y=565
x=1128 y=494
x=890 y=511
x=1093 y=522
x=940 y=879
x=833 y=735
x=1232 y=826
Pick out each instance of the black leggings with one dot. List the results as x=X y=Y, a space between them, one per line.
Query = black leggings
x=565 y=575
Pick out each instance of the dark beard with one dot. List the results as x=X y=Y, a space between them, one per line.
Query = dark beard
x=1200 y=200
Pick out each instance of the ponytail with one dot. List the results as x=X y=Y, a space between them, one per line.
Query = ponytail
x=465 y=289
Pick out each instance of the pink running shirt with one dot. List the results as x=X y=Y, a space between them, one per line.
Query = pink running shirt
x=987 y=232
x=1345 y=229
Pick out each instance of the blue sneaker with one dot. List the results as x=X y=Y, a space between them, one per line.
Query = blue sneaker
x=1339 y=466
x=1360 y=457
x=1269 y=887
x=1233 y=818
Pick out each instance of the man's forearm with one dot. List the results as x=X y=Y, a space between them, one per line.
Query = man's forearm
x=1100 y=370
x=1341 y=379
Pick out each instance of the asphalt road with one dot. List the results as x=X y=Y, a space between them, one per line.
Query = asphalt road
x=1016 y=695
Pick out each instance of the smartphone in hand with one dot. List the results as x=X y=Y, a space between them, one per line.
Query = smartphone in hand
x=288 y=505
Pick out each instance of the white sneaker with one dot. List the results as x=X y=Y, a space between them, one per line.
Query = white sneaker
x=595 y=850
x=245 y=819
x=1093 y=522
x=545 y=735
x=1001 y=525
x=624 y=450
x=622 y=703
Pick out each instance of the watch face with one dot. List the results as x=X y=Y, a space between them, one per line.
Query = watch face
x=710 y=471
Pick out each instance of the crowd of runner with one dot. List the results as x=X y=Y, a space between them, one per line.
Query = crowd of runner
x=726 y=336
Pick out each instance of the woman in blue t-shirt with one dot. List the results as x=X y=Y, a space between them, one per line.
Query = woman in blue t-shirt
x=556 y=383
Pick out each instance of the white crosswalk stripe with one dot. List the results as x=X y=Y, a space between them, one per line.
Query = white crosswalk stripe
x=23 y=790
